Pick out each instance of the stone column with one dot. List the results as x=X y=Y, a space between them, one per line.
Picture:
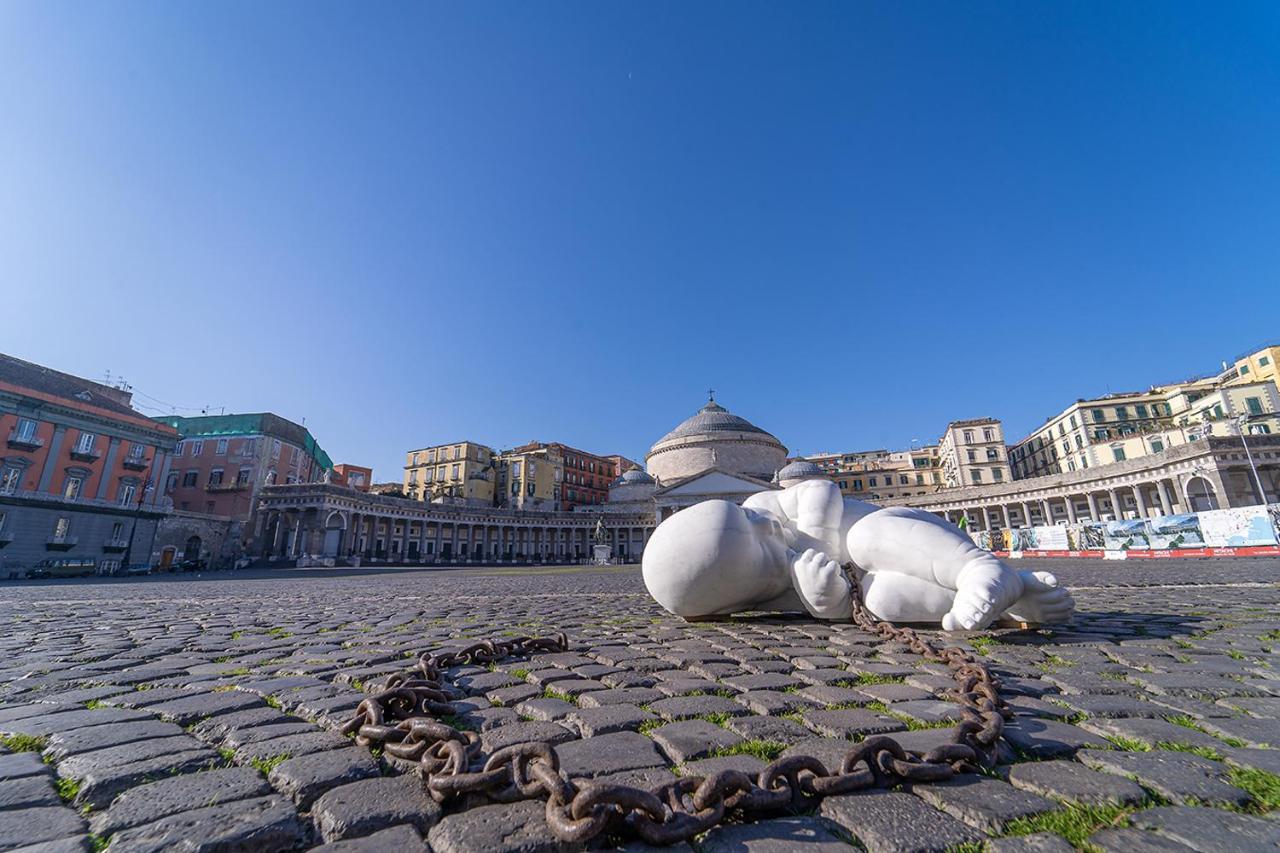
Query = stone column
x=159 y=474
x=1093 y=506
x=1166 y=506
x=439 y=541
x=1137 y=497
x=51 y=460
x=108 y=465
x=1117 y=508
x=1026 y=514
x=1048 y=512
x=986 y=518
x=1071 y=509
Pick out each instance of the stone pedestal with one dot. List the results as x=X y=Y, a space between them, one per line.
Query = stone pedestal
x=601 y=555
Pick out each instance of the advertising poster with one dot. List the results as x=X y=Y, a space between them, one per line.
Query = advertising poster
x=1238 y=527
x=1175 y=531
x=1093 y=536
x=1024 y=539
x=1127 y=535
x=1052 y=538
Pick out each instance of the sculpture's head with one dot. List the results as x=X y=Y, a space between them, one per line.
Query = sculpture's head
x=716 y=557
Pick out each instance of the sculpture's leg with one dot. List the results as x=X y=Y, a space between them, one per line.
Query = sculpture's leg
x=896 y=597
x=1043 y=602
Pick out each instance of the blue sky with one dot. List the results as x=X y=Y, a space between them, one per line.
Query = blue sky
x=564 y=221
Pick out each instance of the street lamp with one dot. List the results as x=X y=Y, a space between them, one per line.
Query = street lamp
x=1241 y=422
x=142 y=496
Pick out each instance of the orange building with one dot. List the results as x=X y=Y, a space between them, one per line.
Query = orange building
x=353 y=476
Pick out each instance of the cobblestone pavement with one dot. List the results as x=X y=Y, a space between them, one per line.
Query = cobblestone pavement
x=202 y=714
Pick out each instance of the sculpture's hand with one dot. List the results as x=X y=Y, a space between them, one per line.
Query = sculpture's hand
x=1042 y=600
x=821 y=584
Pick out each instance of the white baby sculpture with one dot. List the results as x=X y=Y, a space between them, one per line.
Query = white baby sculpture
x=783 y=550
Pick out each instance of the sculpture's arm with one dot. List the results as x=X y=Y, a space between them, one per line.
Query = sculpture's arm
x=817 y=513
x=821 y=584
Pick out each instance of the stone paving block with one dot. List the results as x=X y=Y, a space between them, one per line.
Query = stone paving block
x=507 y=696
x=762 y=682
x=1038 y=842
x=748 y=764
x=1254 y=732
x=24 y=827
x=508 y=828
x=1178 y=776
x=10 y=713
x=778 y=835
x=850 y=722
x=478 y=685
x=155 y=800
x=896 y=822
x=547 y=677
x=505 y=736
x=487 y=719
x=830 y=751
x=831 y=694
x=47 y=724
x=608 y=754
x=767 y=665
x=545 y=709
x=184 y=712
x=1262 y=706
x=257 y=734
x=589 y=722
x=75 y=741
x=773 y=702
x=928 y=710
x=687 y=686
x=686 y=707
x=1210 y=830
x=370 y=805
x=305 y=778
x=689 y=739
x=1151 y=732
x=1073 y=782
x=100 y=785
x=401 y=839
x=895 y=692
x=215 y=729
x=1135 y=841
x=1112 y=706
x=1039 y=738
x=28 y=792
x=80 y=765
x=1208 y=687
x=1192 y=707
x=777 y=729
x=627 y=678
x=1266 y=760
x=74 y=844
x=291 y=745
x=620 y=696
x=263 y=823
x=19 y=765
x=984 y=803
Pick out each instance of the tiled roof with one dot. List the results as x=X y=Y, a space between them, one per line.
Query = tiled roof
x=55 y=383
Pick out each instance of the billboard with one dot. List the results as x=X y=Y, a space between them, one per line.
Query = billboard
x=1175 y=531
x=1238 y=527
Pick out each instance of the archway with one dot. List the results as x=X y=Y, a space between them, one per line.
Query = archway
x=192 y=549
x=1201 y=495
x=334 y=528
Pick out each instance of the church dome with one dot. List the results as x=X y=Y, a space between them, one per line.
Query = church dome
x=799 y=471
x=715 y=438
x=635 y=475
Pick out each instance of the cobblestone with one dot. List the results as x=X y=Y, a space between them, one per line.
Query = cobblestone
x=145 y=692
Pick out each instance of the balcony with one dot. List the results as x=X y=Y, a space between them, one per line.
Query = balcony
x=24 y=442
x=60 y=543
x=5 y=539
x=82 y=454
x=135 y=463
x=230 y=486
x=115 y=546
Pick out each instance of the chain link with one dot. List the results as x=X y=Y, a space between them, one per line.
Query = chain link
x=397 y=716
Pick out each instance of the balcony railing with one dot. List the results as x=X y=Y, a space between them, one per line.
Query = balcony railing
x=61 y=543
x=5 y=539
x=228 y=486
x=24 y=442
x=135 y=463
x=115 y=546
x=82 y=454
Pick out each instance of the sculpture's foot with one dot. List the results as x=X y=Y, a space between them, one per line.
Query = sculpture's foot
x=714 y=617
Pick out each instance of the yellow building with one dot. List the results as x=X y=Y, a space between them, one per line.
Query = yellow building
x=1258 y=366
x=530 y=477
x=973 y=453
x=461 y=471
x=873 y=475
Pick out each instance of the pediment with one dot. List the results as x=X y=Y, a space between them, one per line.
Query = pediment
x=715 y=482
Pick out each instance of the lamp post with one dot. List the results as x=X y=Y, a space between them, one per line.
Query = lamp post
x=142 y=496
x=1241 y=422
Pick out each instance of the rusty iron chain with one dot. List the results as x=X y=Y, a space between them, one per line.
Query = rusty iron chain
x=401 y=716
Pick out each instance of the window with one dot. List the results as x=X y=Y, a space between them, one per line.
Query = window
x=1244 y=368
x=26 y=430
x=997 y=474
x=1141 y=410
x=529 y=488
x=456 y=452
x=902 y=479
x=271 y=477
x=215 y=477
x=1101 y=434
x=874 y=482
x=454 y=475
x=1122 y=413
x=242 y=478
x=10 y=479
x=61 y=528
x=1099 y=416
x=976 y=475
x=197 y=447
x=1 y=522
x=988 y=435
x=857 y=485
x=413 y=478
x=178 y=448
x=1259 y=429
x=85 y=444
x=1254 y=405
x=992 y=454
x=973 y=457
x=1264 y=361
x=431 y=455
x=919 y=479
x=1118 y=453
x=189 y=479
x=968 y=436
x=71 y=491
x=136 y=452
x=171 y=483
x=1072 y=421
x=1156 y=445
x=1217 y=410
x=275 y=449
x=294 y=455
x=429 y=475
x=515 y=469
x=221 y=449
x=128 y=491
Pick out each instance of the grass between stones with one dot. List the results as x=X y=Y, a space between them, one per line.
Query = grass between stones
x=868 y=678
x=1264 y=787
x=521 y=674
x=266 y=765
x=552 y=693
x=23 y=743
x=97 y=843
x=279 y=633
x=68 y=789
x=1075 y=822
x=765 y=750
x=95 y=705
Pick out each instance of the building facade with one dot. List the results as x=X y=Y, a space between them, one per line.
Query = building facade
x=874 y=475
x=352 y=476
x=1209 y=473
x=715 y=438
x=463 y=471
x=973 y=453
x=79 y=471
x=323 y=522
x=1256 y=366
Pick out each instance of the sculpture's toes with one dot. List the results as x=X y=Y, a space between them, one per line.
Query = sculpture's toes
x=972 y=610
